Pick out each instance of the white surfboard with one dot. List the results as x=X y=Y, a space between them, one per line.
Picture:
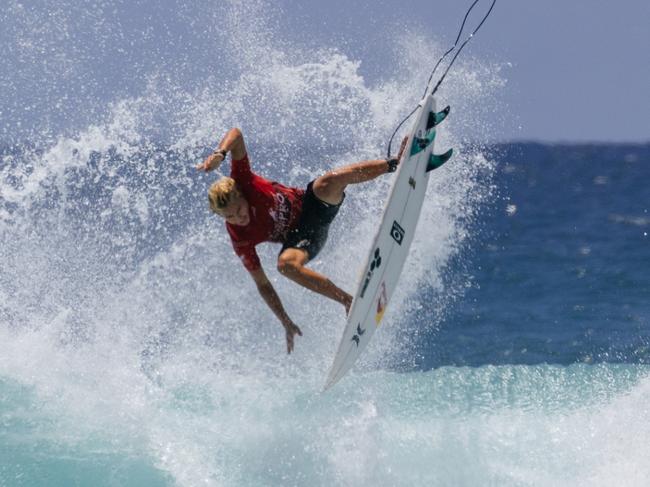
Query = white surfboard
x=391 y=245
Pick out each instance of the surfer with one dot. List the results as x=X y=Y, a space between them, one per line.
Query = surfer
x=257 y=210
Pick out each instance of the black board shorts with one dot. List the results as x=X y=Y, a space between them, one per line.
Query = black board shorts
x=313 y=225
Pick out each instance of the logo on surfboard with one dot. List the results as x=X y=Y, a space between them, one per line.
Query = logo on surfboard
x=357 y=336
x=382 y=301
x=376 y=262
x=397 y=232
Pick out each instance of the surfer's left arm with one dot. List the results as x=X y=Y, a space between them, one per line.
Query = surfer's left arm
x=232 y=142
x=270 y=296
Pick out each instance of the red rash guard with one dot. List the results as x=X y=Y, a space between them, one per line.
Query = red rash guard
x=274 y=210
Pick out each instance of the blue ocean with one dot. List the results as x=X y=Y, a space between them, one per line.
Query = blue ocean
x=135 y=350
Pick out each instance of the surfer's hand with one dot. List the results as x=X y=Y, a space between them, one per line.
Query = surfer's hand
x=291 y=330
x=211 y=162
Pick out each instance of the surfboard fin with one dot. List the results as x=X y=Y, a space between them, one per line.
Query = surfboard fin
x=437 y=160
x=437 y=117
x=421 y=143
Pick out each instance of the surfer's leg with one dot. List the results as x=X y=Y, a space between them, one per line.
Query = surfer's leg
x=331 y=185
x=291 y=263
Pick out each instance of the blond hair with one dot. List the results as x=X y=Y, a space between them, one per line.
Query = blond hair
x=221 y=193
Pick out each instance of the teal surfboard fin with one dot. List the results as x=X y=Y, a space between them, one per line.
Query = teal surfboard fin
x=421 y=143
x=437 y=117
x=437 y=160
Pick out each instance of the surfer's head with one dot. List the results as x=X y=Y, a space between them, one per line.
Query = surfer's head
x=227 y=201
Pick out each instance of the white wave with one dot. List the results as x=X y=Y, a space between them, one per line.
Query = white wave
x=126 y=311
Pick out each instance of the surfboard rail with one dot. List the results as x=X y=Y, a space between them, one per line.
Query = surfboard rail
x=391 y=244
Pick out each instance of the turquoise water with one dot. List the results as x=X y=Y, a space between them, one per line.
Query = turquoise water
x=506 y=425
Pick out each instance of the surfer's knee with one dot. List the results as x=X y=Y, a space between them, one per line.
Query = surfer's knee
x=288 y=264
x=329 y=188
x=323 y=184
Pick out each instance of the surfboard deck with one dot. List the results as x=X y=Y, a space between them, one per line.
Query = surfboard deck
x=393 y=240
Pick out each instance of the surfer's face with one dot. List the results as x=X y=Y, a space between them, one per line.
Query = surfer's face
x=237 y=211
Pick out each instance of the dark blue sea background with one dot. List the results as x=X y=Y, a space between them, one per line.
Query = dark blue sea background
x=560 y=264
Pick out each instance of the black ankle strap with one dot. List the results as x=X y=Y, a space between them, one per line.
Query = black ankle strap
x=392 y=164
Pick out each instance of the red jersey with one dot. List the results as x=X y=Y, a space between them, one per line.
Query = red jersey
x=274 y=211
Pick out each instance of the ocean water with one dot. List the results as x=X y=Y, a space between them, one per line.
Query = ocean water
x=559 y=268
x=134 y=349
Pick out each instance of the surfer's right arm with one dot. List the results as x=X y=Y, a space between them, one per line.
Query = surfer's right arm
x=272 y=299
x=232 y=142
